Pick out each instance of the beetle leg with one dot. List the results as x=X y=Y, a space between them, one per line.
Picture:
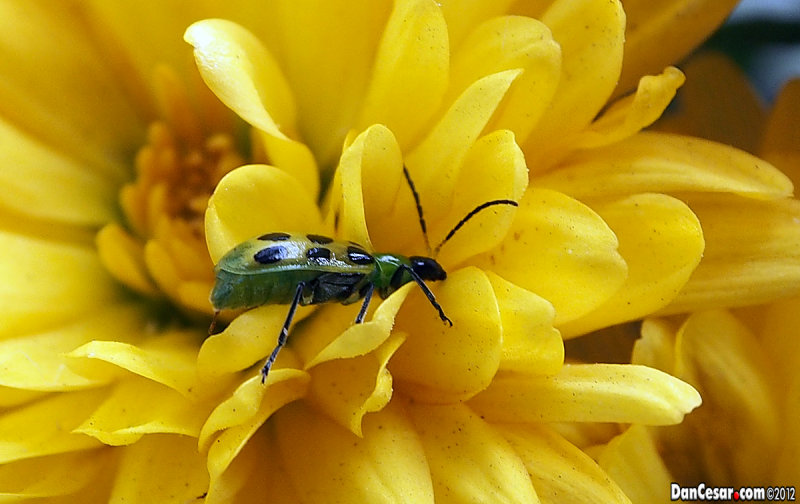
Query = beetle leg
x=367 y=298
x=284 y=332
x=213 y=323
x=428 y=294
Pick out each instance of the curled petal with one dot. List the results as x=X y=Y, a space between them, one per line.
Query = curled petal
x=245 y=76
x=504 y=43
x=234 y=421
x=123 y=257
x=560 y=471
x=633 y=460
x=373 y=156
x=169 y=360
x=591 y=34
x=137 y=407
x=469 y=460
x=435 y=162
x=660 y=162
x=727 y=363
x=411 y=70
x=160 y=469
x=684 y=23
x=629 y=115
x=552 y=232
x=358 y=339
x=589 y=393
x=440 y=363
x=256 y=199
x=248 y=338
x=662 y=243
x=348 y=389
x=530 y=342
x=387 y=465
x=494 y=169
x=751 y=253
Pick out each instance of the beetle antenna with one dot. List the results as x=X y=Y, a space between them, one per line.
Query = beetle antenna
x=419 y=208
x=476 y=210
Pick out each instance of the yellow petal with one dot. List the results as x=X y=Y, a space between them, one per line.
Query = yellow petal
x=248 y=399
x=504 y=43
x=36 y=362
x=560 y=471
x=727 y=364
x=656 y=347
x=591 y=35
x=357 y=339
x=160 y=469
x=248 y=338
x=440 y=363
x=328 y=49
x=494 y=169
x=435 y=162
x=137 y=407
x=45 y=427
x=364 y=155
x=32 y=300
x=751 y=253
x=633 y=461
x=326 y=463
x=560 y=250
x=348 y=389
x=252 y=476
x=530 y=342
x=662 y=243
x=49 y=54
x=469 y=460
x=780 y=140
x=253 y=200
x=55 y=475
x=711 y=79
x=43 y=183
x=589 y=393
x=410 y=72
x=462 y=17
x=631 y=114
x=245 y=76
x=237 y=427
x=283 y=387
x=684 y=23
x=168 y=359
x=123 y=257
x=660 y=162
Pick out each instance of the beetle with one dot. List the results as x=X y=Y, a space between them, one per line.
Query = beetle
x=304 y=269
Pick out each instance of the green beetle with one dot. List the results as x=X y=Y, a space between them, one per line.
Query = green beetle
x=304 y=269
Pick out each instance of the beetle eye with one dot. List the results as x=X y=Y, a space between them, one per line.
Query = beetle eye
x=427 y=268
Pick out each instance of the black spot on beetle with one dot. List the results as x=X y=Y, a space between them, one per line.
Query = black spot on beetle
x=275 y=237
x=319 y=239
x=271 y=255
x=318 y=253
x=357 y=255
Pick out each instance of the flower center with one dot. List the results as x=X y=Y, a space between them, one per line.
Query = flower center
x=160 y=250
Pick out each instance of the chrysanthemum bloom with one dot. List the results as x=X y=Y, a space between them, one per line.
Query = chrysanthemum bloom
x=743 y=362
x=479 y=105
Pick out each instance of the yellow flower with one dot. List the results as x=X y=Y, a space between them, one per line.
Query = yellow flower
x=743 y=362
x=479 y=103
